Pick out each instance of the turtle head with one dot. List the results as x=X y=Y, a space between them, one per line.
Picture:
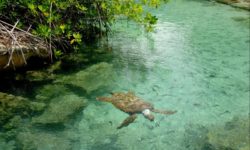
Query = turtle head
x=147 y=114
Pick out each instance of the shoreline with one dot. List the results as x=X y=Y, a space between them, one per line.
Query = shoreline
x=17 y=46
x=241 y=4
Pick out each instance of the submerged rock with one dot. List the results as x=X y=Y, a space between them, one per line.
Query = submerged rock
x=38 y=76
x=60 y=110
x=233 y=136
x=13 y=123
x=4 y=145
x=195 y=137
x=11 y=106
x=92 y=78
x=243 y=21
x=49 y=91
x=46 y=141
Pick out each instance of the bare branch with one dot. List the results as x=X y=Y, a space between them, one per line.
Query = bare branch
x=17 y=41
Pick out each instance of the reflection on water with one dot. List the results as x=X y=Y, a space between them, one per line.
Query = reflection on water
x=196 y=62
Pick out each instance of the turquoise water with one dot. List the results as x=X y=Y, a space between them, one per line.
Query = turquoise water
x=196 y=62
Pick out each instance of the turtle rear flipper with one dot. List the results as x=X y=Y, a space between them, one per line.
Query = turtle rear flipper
x=127 y=121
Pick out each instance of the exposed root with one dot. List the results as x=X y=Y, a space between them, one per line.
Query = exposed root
x=15 y=40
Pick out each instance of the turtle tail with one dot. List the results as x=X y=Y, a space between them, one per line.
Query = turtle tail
x=165 y=112
x=104 y=99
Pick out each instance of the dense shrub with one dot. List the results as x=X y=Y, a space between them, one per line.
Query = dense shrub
x=69 y=22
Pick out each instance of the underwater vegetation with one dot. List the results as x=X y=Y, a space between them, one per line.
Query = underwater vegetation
x=50 y=108
x=13 y=108
x=31 y=140
x=232 y=135
x=51 y=127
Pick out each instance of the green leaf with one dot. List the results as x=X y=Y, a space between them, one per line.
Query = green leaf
x=57 y=53
x=31 y=7
x=77 y=35
x=62 y=27
x=81 y=7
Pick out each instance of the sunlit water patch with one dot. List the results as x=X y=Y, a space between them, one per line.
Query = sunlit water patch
x=196 y=62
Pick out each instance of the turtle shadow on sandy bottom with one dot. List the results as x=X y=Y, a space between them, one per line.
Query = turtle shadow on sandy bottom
x=232 y=135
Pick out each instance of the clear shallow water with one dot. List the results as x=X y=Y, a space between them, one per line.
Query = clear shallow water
x=196 y=62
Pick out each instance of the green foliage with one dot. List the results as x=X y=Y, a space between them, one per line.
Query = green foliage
x=57 y=53
x=70 y=22
x=2 y=4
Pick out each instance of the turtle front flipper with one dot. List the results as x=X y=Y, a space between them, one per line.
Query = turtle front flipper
x=165 y=112
x=127 y=121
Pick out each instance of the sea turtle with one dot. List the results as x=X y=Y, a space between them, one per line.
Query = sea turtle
x=131 y=104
